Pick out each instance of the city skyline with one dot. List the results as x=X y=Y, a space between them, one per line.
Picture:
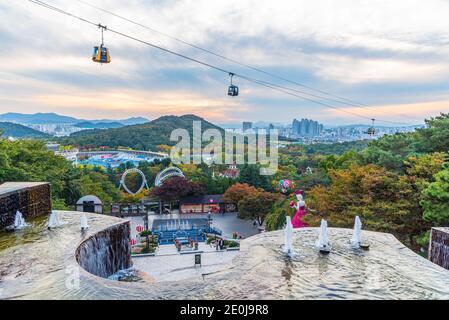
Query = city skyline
x=397 y=63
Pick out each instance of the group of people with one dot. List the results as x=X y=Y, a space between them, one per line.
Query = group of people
x=191 y=244
x=219 y=244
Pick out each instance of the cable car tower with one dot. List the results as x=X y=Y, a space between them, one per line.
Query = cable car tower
x=101 y=53
x=233 y=90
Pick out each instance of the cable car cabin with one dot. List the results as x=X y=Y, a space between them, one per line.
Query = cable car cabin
x=371 y=131
x=101 y=55
x=233 y=91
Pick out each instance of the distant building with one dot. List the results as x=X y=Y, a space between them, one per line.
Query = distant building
x=306 y=127
x=232 y=172
x=247 y=126
x=53 y=147
x=208 y=203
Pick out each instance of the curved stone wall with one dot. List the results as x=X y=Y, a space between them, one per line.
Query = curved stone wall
x=439 y=247
x=32 y=199
x=107 y=251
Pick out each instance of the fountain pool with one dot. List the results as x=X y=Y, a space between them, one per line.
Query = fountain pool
x=37 y=263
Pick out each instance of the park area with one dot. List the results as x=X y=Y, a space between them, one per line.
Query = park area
x=168 y=262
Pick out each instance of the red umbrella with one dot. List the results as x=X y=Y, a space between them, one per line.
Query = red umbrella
x=133 y=242
x=139 y=228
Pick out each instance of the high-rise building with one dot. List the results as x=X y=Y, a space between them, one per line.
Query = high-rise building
x=306 y=127
x=296 y=125
x=247 y=126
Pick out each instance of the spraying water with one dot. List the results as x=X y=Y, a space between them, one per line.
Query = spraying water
x=19 y=221
x=54 y=221
x=84 y=224
x=323 y=242
x=288 y=237
x=356 y=236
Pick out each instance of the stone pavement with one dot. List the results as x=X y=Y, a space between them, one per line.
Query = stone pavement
x=169 y=265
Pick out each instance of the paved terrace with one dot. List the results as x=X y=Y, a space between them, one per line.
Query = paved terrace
x=169 y=265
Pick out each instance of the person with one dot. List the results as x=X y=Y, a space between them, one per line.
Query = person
x=221 y=244
x=217 y=244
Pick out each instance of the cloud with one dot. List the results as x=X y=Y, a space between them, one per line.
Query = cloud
x=379 y=52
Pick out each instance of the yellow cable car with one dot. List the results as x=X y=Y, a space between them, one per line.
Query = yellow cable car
x=101 y=55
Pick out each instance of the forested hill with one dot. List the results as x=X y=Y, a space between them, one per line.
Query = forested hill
x=8 y=129
x=142 y=137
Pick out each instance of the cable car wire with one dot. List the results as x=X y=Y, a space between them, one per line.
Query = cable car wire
x=337 y=99
x=341 y=100
x=276 y=87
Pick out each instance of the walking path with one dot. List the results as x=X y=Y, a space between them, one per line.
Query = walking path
x=169 y=265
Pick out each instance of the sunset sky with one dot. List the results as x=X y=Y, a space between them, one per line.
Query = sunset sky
x=392 y=56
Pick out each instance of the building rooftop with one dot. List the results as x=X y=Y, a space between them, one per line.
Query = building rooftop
x=9 y=187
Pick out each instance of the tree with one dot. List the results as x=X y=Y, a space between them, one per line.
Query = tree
x=256 y=205
x=250 y=174
x=175 y=188
x=386 y=201
x=237 y=192
x=435 y=137
x=276 y=219
x=390 y=151
x=436 y=199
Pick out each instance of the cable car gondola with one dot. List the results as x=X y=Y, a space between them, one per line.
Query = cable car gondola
x=371 y=131
x=233 y=90
x=101 y=53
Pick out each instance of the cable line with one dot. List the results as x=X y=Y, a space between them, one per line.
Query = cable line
x=279 y=88
x=341 y=100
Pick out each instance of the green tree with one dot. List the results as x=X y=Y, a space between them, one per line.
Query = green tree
x=436 y=199
x=435 y=137
x=250 y=174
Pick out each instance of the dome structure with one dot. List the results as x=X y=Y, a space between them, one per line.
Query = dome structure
x=89 y=203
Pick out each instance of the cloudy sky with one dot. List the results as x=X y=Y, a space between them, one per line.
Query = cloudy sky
x=390 y=56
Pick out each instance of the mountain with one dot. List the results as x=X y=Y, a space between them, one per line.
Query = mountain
x=15 y=130
x=53 y=118
x=98 y=125
x=37 y=118
x=133 y=121
x=145 y=136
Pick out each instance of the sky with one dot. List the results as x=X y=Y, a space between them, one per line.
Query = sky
x=390 y=57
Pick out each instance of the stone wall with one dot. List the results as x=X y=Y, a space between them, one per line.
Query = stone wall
x=439 y=247
x=107 y=251
x=31 y=198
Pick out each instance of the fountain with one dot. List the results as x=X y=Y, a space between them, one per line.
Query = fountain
x=84 y=224
x=323 y=244
x=356 y=240
x=288 y=237
x=54 y=221
x=19 y=222
x=38 y=264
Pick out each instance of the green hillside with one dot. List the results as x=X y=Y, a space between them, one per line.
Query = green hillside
x=143 y=136
x=8 y=129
